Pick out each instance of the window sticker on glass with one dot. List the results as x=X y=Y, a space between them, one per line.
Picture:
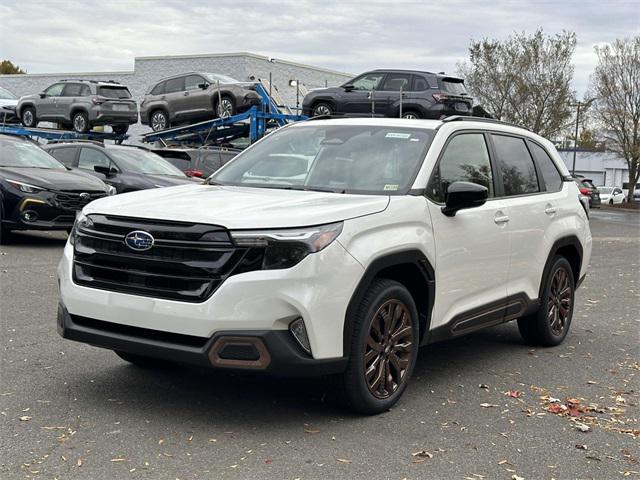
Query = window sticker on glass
x=391 y=187
x=397 y=135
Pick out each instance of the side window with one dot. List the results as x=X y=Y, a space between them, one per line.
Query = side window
x=85 y=91
x=90 y=157
x=548 y=170
x=158 y=89
x=72 y=90
x=55 y=90
x=465 y=159
x=192 y=82
x=419 y=84
x=516 y=165
x=370 y=81
x=394 y=81
x=174 y=85
x=64 y=155
x=617 y=191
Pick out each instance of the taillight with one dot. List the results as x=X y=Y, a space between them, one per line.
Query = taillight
x=97 y=100
x=194 y=173
x=584 y=191
x=440 y=97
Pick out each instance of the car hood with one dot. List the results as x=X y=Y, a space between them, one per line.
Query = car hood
x=54 y=179
x=168 y=180
x=240 y=207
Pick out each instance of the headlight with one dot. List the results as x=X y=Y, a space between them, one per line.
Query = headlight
x=25 y=187
x=82 y=221
x=285 y=248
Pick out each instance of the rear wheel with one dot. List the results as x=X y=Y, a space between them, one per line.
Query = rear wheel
x=321 y=109
x=80 y=122
x=29 y=119
x=159 y=120
x=550 y=324
x=384 y=348
x=411 y=114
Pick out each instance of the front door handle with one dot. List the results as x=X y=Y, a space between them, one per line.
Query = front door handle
x=186 y=94
x=500 y=218
x=550 y=209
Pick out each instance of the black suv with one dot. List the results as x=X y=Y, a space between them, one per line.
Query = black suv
x=197 y=162
x=37 y=192
x=424 y=95
x=126 y=168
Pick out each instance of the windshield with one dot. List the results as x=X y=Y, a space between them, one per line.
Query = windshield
x=605 y=190
x=25 y=154
x=366 y=159
x=6 y=94
x=141 y=161
x=114 y=92
x=216 y=77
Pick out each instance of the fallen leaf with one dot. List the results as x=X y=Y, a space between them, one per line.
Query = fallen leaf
x=488 y=405
x=25 y=418
x=581 y=447
x=115 y=460
x=79 y=462
x=268 y=461
x=311 y=431
x=582 y=427
x=502 y=462
x=482 y=385
x=343 y=460
x=513 y=393
x=423 y=454
x=516 y=477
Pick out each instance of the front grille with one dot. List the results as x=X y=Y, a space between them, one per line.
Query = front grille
x=75 y=200
x=187 y=262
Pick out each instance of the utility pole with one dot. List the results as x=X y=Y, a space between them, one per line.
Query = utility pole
x=579 y=106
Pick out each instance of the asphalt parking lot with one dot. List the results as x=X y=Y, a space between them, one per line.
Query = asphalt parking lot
x=478 y=407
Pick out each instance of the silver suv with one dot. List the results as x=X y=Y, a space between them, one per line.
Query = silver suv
x=194 y=96
x=81 y=105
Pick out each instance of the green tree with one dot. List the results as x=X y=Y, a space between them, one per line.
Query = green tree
x=615 y=84
x=525 y=79
x=7 y=68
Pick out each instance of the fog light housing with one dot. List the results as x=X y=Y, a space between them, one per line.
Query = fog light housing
x=299 y=332
x=29 y=216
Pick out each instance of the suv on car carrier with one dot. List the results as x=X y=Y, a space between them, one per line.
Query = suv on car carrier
x=81 y=105
x=335 y=247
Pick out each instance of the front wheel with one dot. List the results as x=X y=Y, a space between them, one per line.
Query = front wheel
x=384 y=348
x=225 y=108
x=28 y=117
x=550 y=324
x=159 y=121
x=321 y=109
x=411 y=115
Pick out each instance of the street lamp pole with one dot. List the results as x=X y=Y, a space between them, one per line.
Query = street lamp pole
x=579 y=105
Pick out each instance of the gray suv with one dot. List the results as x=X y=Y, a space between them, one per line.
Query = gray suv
x=81 y=105
x=194 y=96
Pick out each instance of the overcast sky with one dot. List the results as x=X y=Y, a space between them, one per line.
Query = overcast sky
x=88 y=35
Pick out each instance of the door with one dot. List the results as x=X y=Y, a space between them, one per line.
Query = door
x=532 y=210
x=197 y=101
x=91 y=157
x=472 y=247
x=46 y=108
x=177 y=102
x=70 y=93
x=390 y=93
x=364 y=93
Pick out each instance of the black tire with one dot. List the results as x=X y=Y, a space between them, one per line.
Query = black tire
x=28 y=117
x=159 y=120
x=412 y=114
x=4 y=232
x=120 y=129
x=611 y=202
x=378 y=392
x=224 y=108
x=321 y=109
x=80 y=122
x=141 y=360
x=541 y=328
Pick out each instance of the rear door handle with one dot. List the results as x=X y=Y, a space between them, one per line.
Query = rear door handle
x=500 y=218
x=550 y=209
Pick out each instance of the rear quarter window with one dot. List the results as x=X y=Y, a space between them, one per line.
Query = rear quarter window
x=548 y=170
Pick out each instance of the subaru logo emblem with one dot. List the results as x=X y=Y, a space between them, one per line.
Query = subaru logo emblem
x=85 y=196
x=139 y=240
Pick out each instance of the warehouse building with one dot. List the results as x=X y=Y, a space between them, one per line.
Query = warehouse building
x=604 y=168
x=241 y=66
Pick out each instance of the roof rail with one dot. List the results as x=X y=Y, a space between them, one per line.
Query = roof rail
x=78 y=80
x=75 y=140
x=464 y=118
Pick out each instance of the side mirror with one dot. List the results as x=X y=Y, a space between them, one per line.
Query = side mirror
x=106 y=171
x=42 y=95
x=348 y=87
x=461 y=195
x=203 y=86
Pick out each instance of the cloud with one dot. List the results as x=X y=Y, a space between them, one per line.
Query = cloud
x=68 y=36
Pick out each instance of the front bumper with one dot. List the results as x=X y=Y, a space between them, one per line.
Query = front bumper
x=317 y=289
x=36 y=212
x=278 y=353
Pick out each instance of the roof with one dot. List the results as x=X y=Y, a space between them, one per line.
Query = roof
x=400 y=70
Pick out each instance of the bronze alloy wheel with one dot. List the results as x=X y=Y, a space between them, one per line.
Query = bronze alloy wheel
x=388 y=349
x=559 y=302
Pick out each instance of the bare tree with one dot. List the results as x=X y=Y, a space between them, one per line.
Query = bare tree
x=615 y=84
x=524 y=79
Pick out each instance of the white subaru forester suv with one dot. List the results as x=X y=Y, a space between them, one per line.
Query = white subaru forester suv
x=334 y=246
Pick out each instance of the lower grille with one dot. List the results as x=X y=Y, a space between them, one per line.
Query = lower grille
x=187 y=262
x=76 y=200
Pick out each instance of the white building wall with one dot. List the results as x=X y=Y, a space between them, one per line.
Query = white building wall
x=604 y=168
